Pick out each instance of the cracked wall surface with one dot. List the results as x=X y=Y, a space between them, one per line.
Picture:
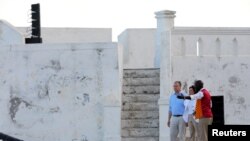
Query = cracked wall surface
x=227 y=76
x=55 y=92
x=222 y=61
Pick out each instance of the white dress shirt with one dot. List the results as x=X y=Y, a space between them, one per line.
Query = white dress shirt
x=189 y=108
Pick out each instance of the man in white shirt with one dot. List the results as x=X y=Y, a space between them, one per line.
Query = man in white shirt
x=189 y=116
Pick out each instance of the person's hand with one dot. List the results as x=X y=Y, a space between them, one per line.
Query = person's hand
x=168 y=123
x=180 y=96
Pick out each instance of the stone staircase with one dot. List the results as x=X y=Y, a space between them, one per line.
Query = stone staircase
x=140 y=112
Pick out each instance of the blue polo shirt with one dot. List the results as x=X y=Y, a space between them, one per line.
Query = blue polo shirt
x=176 y=106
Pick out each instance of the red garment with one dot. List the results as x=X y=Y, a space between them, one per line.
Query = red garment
x=206 y=104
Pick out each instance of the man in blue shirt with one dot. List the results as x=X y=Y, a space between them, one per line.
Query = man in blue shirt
x=176 y=110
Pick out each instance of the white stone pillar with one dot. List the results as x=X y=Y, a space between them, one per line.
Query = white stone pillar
x=165 y=24
x=112 y=119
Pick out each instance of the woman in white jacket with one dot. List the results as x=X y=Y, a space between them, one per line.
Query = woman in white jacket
x=189 y=116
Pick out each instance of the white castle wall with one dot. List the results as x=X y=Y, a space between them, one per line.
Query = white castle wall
x=60 y=92
x=223 y=62
x=72 y=35
x=138 y=48
x=218 y=56
x=227 y=76
x=74 y=88
x=212 y=41
x=9 y=34
x=139 y=44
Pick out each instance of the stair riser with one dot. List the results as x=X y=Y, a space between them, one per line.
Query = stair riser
x=140 y=132
x=154 y=123
x=141 y=89
x=140 y=107
x=141 y=73
x=140 y=115
x=140 y=98
x=141 y=81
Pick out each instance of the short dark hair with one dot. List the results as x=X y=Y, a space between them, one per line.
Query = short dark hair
x=198 y=85
x=192 y=87
x=178 y=82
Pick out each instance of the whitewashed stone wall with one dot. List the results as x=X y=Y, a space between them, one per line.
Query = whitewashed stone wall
x=139 y=44
x=60 y=92
x=218 y=56
x=212 y=41
x=138 y=48
x=223 y=64
x=9 y=34
x=227 y=76
x=72 y=35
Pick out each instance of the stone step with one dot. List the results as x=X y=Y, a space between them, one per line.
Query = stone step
x=141 y=89
x=140 y=132
x=141 y=139
x=140 y=106
x=141 y=81
x=140 y=97
x=140 y=115
x=140 y=110
x=140 y=123
x=141 y=73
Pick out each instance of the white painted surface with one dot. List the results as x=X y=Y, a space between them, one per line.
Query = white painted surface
x=234 y=42
x=221 y=62
x=9 y=34
x=214 y=41
x=73 y=35
x=138 y=48
x=163 y=60
x=227 y=76
x=60 y=92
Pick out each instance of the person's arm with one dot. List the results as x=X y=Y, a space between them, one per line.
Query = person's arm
x=169 y=118
x=170 y=112
x=199 y=95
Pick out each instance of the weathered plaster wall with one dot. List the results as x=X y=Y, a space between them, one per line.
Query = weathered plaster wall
x=212 y=41
x=228 y=76
x=9 y=34
x=138 y=48
x=56 y=92
x=139 y=44
x=73 y=35
x=223 y=63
